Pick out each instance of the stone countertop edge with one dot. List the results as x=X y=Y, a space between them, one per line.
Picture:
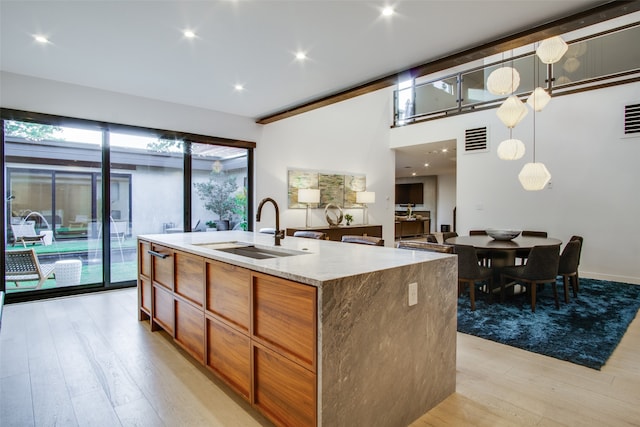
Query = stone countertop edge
x=320 y=260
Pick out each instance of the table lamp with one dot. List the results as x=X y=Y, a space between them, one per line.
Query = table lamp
x=364 y=197
x=308 y=196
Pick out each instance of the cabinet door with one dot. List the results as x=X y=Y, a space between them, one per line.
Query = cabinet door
x=228 y=292
x=144 y=297
x=144 y=259
x=189 y=278
x=284 y=317
x=283 y=390
x=229 y=356
x=190 y=329
x=162 y=309
x=162 y=266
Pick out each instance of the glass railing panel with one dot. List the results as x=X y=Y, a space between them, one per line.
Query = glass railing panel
x=599 y=57
x=435 y=96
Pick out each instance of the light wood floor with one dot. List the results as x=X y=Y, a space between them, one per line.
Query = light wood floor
x=87 y=361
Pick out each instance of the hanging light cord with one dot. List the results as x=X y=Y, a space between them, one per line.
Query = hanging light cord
x=535 y=71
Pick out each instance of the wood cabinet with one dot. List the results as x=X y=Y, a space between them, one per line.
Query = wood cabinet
x=256 y=332
x=411 y=228
x=336 y=233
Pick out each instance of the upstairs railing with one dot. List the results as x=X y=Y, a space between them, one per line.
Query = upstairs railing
x=602 y=59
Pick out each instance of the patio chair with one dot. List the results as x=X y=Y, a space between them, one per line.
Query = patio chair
x=25 y=232
x=23 y=265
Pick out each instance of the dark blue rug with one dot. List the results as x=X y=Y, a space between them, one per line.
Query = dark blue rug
x=585 y=331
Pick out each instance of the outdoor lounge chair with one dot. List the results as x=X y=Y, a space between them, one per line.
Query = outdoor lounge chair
x=23 y=265
x=25 y=232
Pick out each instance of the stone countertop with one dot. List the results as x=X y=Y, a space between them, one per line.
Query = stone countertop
x=319 y=260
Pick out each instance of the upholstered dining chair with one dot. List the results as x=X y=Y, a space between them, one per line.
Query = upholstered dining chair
x=448 y=234
x=483 y=256
x=363 y=240
x=308 y=234
x=470 y=273
x=522 y=254
x=568 y=267
x=431 y=238
x=541 y=267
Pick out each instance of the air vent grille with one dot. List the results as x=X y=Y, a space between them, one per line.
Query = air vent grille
x=632 y=119
x=475 y=139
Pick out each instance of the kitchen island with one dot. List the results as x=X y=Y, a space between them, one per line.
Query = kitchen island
x=317 y=332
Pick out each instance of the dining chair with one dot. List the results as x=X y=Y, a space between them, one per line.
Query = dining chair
x=483 y=256
x=568 y=267
x=541 y=267
x=431 y=238
x=310 y=234
x=448 y=234
x=470 y=273
x=363 y=240
x=522 y=254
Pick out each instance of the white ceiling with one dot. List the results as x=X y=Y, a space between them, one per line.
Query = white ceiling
x=137 y=47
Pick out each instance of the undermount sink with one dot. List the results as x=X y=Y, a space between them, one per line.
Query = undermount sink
x=250 y=251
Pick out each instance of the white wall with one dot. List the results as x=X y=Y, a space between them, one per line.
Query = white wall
x=26 y=93
x=595 y=177
x=446 y=201
x=351 y=137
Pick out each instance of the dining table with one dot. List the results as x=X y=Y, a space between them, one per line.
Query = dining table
x=502 y=253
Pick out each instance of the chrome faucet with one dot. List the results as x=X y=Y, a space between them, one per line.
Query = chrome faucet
x=279 y=234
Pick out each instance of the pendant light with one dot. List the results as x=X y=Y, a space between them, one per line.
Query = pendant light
x=534 y=176
x=538 y=99
x=551 y=50
x=503 y=81
x=512 y=111
x=511 y=149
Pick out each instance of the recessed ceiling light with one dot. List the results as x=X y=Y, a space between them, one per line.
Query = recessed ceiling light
x=41 y=39
x=238 y=87
x=387 y=11
x=413 y=173
x=426 y=165
x=189 y=34
x=444 y=150
x=301 y=56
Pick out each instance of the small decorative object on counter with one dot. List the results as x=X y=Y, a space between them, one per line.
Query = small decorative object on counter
x=348 y=218
x=333 y=214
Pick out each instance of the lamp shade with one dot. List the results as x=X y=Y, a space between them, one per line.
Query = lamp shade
x=308 y=195
x=365 y=197
x=511 y=149
x=538 y=99
x=551 y=50
x=534 y=176
x=512 y=111
x=503 y=81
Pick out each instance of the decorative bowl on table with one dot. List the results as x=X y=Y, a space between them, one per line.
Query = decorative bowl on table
x=503 y=234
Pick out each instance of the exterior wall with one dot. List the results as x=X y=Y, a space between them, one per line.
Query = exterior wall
x=594 y=177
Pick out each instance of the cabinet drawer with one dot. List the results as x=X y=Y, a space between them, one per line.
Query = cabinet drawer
x=228 y=292
x=229 y=356
x=163 y=308
x=162 y=266
x=190 y=329
x=189 y=278
x=283 y=390
x=284 y=317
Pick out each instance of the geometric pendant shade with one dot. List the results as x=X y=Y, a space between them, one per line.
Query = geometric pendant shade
x=534 y=176
x=551 y=50
x=511 y=149
x=503 y=81
x=512 y=111
x=538 y=99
